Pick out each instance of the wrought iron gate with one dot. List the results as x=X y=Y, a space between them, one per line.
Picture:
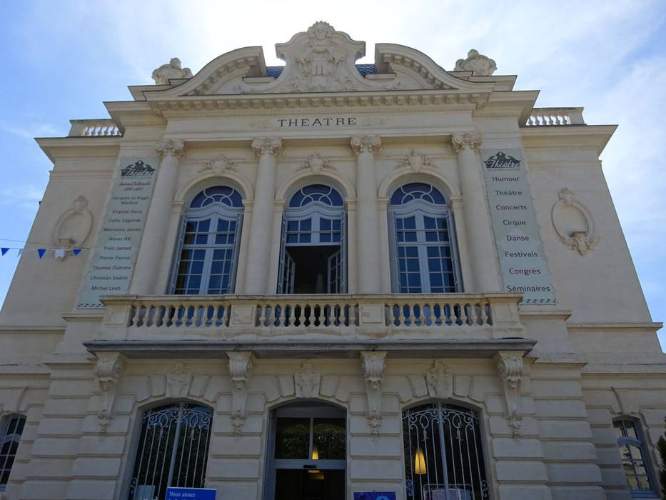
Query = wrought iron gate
x=172 y=451
x=443 y=453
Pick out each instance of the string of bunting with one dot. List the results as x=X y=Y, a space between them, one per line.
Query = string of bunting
x=41 y=252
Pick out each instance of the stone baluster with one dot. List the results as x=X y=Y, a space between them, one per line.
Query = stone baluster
x=261 y=234
x=476 y=215
x=367 y=220
x=155 y=231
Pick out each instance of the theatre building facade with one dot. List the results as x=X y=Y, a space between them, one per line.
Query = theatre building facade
x=322 y=279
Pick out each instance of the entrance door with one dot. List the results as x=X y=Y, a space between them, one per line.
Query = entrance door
x=307 y=453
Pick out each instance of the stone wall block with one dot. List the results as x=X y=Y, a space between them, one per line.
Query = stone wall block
x=198 y=386
x=53 y=447
x=270 y=387
x=573 y=473
x=566 y=450
x=233 y=468
x=223 y=404
x=329 y=385
x=61 y=426
x=517 y=448
x=91 y=490
x=286 y=383
x=418 y=385
x=65 y=407
x=140 y=386
x=222 y=425
x=390 y=425
x=520 y=471
x=102 y=445
x=561 y=408
x=124 y=405
x=542 y=389
x=562 y=429
x=216 y=385
x=233 y=489
x=119 y=424
x=236 y=446
x=376 y=469
x=157 y=385
x=499 y=426
x=524 y=492
x=96 y=467
x=462 y=385
x=42 y=489
x=377 y=446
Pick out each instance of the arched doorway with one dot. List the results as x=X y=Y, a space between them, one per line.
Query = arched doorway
x=307 y=452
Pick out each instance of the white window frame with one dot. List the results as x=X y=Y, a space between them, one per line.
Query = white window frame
x=214 y=212
x=315 y=211
x=420 y=208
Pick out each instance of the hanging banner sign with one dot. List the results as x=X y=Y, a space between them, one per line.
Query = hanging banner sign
x=111 y=265
x=519 y=244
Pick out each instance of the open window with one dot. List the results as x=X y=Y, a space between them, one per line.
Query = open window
x=313 y=254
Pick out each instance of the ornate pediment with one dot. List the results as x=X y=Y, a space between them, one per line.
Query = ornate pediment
x=319 y=60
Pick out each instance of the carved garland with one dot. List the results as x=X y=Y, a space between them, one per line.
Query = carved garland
x=580 y=239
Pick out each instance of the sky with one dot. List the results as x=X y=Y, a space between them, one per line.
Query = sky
x=64 y=58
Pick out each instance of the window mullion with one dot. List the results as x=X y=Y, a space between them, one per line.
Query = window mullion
x=423 y=253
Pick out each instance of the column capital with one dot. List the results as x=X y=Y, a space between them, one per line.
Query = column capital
x=171 y=147
x=266 y=146
x=365 y=143
x=466 y=140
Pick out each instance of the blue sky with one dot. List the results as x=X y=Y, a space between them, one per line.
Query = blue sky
x=63 y=59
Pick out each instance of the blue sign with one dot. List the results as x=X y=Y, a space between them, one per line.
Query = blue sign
x=193 y=494
x=374 y=495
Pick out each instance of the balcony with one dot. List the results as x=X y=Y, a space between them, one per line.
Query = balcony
x=323 y=317
x=94 y=128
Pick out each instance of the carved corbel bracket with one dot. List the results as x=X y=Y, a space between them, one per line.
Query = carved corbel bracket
x=108 y=370
x=316 y=164
x=307 y=381
x=373 y=372
x=510 y=371
x=219 y=166
x=240 y=364
x=366 y=144
x=466 y=140
x=438 y=380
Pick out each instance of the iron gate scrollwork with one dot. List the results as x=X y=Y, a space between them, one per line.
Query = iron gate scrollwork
x=172 y=450
x=443 y=453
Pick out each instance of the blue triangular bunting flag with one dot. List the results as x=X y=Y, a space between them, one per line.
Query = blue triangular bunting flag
x=76 y=251
x=4 y=250
x=41 y=252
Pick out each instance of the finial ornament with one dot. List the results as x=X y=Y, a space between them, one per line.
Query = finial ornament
x=172 y=70
x=266 y=146
x=466 y=140
x=366 y=144
x=171 y=147
x=478 y=64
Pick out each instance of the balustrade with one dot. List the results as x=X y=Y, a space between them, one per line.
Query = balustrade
x=94 y=128
x=548 y=117
x=476 y=314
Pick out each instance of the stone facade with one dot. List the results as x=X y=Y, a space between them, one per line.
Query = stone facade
x=546 y=379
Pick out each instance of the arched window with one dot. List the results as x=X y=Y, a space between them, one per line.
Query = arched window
x=313 y=254
x=172 y=450
x=634 y=456
x=443 y=453
x=10 y=437
x=209 y=241
x=424 y=258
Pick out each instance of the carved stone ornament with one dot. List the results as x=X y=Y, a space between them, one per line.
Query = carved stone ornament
x=266 y=146
x=108 y=370
x=171 y=148
x=171 y=71
x=438 y=380
x=573 y=223
x=478 y=64
x=466 y=141
x=417 y=162
x=316 y=164
x=240 y=364
x=307 y=381
x=365 y=144
x=510 y=371
x=73 y=227
x=373 y=372
x=219 y=166
x=178 y=381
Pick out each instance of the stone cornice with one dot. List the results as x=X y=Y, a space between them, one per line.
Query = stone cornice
x=335 y=100
x=582 y=136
